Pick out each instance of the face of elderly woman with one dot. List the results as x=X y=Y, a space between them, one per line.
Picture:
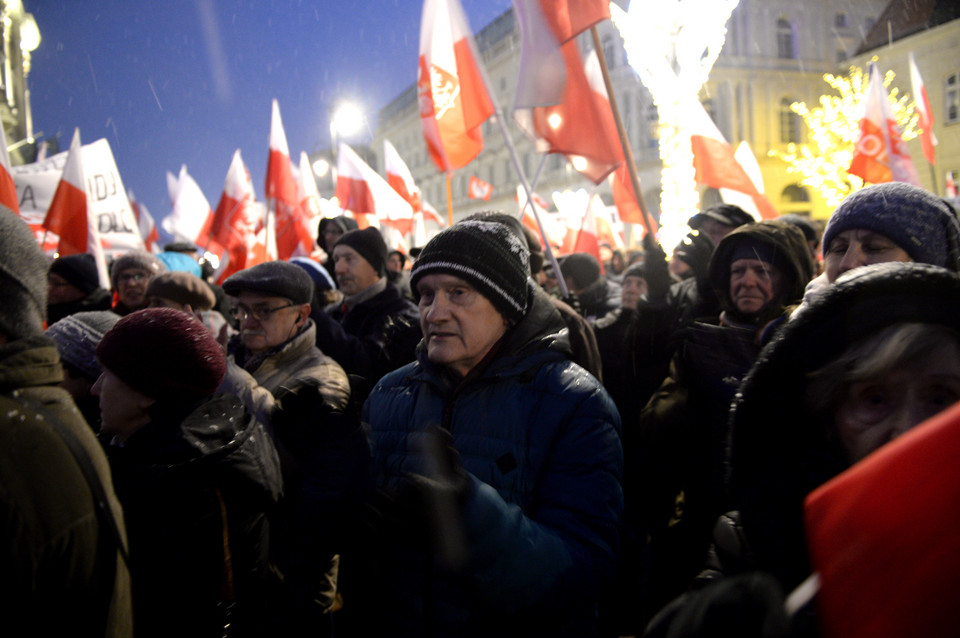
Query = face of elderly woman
x=875 y=410
x=858 y=247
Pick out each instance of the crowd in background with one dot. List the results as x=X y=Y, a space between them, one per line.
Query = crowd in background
x=443 y=444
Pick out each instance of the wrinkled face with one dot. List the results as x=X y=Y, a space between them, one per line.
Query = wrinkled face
x=267 y=321
x=123 y=410
x=715 y=230
x=857 y=247
x=632 y=289
x=754 y=284
x=59 y=290
x=459 y=324
x=354 y=273
x=132 y=287
x=875 y=411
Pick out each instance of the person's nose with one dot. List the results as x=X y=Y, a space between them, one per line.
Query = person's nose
x=852 y=258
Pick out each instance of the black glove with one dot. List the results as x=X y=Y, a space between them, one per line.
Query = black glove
x=695 y=250
x=656 y=272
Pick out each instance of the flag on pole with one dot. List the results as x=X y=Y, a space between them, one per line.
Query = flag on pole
x=715 y=162
x=68 y=215
x=453 y=96
x=362 y=191
x=880 y=154
x=588 y=240
x=625 y=198
x=236 y=219
x=8 y=190
x=399 y=176
x=311 y=207
x=430 y=214
x=479 y=189
x=190 y=217
x=145 y=224
x=922 y=105
x=748 y=162
x=293 y=236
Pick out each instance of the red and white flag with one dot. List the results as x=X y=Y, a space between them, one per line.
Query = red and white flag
x=8 y=190
x=922 y=105
x=625 y=198
x=236 y=219
x=577 y=120
x=362 y=191
x=715 y=162
x=453 y=96
x=293 y=236
x=68 y=215
x=311 y=204
x=881 y=154
x=190 y=216
x=430 y=214
x=145 y=224
x=399 y=176
x=588 y=240
x=479 y=189
x=528 y=217
x=951 y=187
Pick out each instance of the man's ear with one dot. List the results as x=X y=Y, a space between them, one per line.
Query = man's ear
x=303 y=313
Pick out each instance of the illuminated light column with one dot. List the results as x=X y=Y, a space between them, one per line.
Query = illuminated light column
x=672 y=45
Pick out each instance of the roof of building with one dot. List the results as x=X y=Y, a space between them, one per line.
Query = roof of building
x=903 y=18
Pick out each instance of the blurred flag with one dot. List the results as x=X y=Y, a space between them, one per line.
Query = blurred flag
x=453 y=96
x=190 y=217
x=588 y=240
x=715 y=162
x=293 y=236
x=748 y=162
x=430 y=214
x=922 y=106
x=68 y=215
x=553 y=229
x=880 y=154
x=362 y=191
x=479 y=189
x=145 y=224
x=625 y=198
x=399 y=176
x=951 y=189
x=8 y=190
x=236 y=219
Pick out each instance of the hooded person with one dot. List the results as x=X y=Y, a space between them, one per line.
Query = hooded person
x=510 y=448
x=192 y=469
x=757 y=271
x=329 y=230
x=73 y=285
x=62 y=526
x=595 y=294
x=129 y=275
x=77 y=337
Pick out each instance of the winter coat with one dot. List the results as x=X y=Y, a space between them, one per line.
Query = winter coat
x=538 y=437
x=98 y=299
x=345 y=224
x=599 y=298
x=304 y=397
x=177 y=477
x=375 y=337
x=61 y=573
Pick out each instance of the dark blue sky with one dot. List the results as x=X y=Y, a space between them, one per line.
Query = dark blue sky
x=190 y=81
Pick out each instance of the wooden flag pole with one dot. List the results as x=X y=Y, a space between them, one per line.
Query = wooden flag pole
x=449 y=203
x=621 y=131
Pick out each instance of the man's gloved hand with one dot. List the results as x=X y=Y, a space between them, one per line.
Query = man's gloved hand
x=695 y=250
x=656 y=272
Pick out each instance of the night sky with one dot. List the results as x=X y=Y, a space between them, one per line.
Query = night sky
x=190 y=81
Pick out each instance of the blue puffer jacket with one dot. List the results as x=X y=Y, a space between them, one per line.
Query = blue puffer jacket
x=539 y=438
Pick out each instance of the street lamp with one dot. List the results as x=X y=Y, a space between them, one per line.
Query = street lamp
x=346 y=121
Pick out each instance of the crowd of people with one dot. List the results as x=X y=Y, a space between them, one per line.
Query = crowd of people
x=439 y=444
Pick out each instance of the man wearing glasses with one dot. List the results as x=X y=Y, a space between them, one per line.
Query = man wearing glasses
x=129 y=276
x=302 y=396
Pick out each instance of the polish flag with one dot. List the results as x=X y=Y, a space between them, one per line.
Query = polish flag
x=625 y=198
x=715 y=162
x=190 y=217
x=880 y=154
x=362 y=191
x=876 y=537
x=608 y=229
x=479 y=189
x=554 y=230
x=145 y=224
x=430 y=214
x=236 y=219
x=951 y=188
x=311 y=204
x=453 y=96
x=580 y=124
x=748 y=161
x=927 y=139
x=419 y=229
x=588 y=240
x=68 y=213
x=399 y=176
x=293 y=236
x=8 y=190
x=393 y=238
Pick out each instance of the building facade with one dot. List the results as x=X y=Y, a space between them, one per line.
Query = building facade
x=20 y=37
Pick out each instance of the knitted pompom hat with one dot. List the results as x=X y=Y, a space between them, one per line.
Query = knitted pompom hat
x=165 y=354
x=488 y=255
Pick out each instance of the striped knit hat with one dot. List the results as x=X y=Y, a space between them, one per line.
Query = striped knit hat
x=488 y=255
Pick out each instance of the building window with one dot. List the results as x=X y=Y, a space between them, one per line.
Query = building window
x=868 y=24
x=790 y=124
x=840 y=21
x=785 y=40
x=951 y=95
x=795 y=199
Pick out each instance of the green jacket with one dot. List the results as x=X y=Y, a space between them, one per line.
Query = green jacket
x=60 y=573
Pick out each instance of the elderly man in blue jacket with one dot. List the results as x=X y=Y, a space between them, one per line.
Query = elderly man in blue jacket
x=497 y=459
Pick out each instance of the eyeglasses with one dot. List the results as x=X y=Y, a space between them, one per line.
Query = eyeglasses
x=260 y=313
x=133 y=276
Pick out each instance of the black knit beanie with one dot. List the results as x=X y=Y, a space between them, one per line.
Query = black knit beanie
x=79 y=271
x=369 y=243
x=23 y=278
x=165 y=354
x=583 y=268
x=488 y=255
